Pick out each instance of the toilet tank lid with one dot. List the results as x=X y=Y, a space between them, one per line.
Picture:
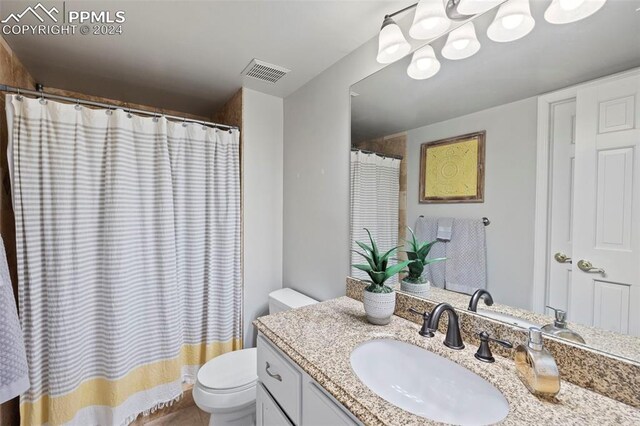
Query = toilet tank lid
x=291 y=298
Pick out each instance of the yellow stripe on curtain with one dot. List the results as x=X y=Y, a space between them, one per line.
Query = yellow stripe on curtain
x=100 y=391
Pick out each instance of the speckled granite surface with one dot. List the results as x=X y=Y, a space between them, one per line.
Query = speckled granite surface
x=615 y=377
x=321 y=337
x=607 y=341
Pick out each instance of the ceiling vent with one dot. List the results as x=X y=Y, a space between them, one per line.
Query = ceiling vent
x=264 y=71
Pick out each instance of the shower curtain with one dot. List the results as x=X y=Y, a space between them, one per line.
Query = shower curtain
x=128 y=241
x=375 y=191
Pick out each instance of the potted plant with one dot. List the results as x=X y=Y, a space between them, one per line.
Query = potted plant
x=417 y=253
x=379 y=299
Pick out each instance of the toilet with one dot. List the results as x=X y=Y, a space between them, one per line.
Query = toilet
x=226 y=385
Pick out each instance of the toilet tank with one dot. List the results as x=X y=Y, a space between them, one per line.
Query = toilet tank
x=286 y=298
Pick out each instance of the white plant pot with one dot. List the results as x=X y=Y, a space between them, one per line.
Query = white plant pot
x=379 y=307
x=418 y=289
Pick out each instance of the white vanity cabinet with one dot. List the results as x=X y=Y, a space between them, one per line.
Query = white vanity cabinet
x=286 y=395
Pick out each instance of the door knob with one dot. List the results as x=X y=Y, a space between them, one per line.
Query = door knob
x=562 y=258
x=586 y=266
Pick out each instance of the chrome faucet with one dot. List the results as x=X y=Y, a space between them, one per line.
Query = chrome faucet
x=473 y=303
x=453 y=339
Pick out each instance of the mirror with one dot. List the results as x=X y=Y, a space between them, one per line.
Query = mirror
x=522 y=162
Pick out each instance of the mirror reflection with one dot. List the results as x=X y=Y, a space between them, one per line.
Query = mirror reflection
x=512 y=174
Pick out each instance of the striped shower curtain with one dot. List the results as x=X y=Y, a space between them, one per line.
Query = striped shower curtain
x=375 y=192
x=128 y=241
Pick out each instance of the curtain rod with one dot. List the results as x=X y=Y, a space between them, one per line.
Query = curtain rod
x=364 y=151
x=41 y=94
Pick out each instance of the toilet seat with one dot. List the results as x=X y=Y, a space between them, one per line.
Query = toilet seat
x=227 y=381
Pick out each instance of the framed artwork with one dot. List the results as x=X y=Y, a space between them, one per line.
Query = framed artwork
x=452 y=170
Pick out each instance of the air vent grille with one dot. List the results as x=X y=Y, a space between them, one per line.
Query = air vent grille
x=264 y=71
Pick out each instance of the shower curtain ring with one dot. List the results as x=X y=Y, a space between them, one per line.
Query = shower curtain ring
x=129 y=113
x=204 y=126
x=184 y=121
x=19 y=97
x=78 y=107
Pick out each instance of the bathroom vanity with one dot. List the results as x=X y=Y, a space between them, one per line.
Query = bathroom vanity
x=307 y=378
x=287 y=395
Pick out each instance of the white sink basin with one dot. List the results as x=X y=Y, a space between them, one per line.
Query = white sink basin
x=519 y=322
x=427 y=384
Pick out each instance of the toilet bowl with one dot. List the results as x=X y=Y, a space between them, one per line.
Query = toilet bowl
x=226 y=385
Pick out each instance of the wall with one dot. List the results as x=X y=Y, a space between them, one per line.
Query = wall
x=262 y=125
x=317 y=139
x=509 y=192
x=12 y=72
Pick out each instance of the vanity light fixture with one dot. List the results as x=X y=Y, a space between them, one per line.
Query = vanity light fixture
x=391 y=42
x=473 y=7
x=430 y=20
x=512 y=22
x=424 y=64
x=566 y=11
x=461 y=42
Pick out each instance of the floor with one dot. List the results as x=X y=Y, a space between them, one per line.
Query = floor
x=183 y=413
x=188 y=416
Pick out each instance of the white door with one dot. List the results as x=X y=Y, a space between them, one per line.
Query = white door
x=562 y=122
x=606 y=228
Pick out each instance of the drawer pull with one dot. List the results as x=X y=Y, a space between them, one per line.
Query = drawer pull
x=275 y=376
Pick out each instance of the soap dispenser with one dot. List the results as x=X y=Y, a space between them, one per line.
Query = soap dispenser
x=536 y=367
x=559 y=327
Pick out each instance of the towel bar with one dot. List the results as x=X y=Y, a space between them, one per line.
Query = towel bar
x=485 y=220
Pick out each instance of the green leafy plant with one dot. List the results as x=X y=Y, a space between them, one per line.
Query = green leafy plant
x=376 y=266
x=417 y=253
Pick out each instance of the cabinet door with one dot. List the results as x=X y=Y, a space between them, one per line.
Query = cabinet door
x=268 y=413
x=320 y=410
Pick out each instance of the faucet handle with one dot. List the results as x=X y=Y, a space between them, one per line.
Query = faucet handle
x=425 y=330
x=484 y=351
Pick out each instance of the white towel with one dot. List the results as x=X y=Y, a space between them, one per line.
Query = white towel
x=444 y=228
x=466 y=264
x=465 y=269
x=14 y=378
x=426 y=230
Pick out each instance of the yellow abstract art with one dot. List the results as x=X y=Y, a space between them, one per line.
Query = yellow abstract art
x=452 y=170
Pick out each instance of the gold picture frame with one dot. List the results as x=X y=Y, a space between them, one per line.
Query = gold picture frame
x=452 y=170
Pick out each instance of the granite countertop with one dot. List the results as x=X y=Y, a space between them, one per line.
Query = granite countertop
x=618 y=344
x=321 y=337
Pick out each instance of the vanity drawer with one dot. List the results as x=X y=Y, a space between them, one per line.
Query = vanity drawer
x=281 y=379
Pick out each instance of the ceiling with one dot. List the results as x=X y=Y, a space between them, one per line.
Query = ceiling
x=188 y=55
x=549 y=58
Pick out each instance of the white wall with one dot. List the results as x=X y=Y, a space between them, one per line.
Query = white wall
x=317 y=141
x=262 y=117
x=509 y=192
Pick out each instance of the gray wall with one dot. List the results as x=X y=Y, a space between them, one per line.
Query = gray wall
x=509 y=192
x=262 y=117
x=317 y=138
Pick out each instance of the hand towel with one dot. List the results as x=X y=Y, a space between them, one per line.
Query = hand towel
x=466 y=264
x=444 y=228
x=426 y=230
x=14 y=378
